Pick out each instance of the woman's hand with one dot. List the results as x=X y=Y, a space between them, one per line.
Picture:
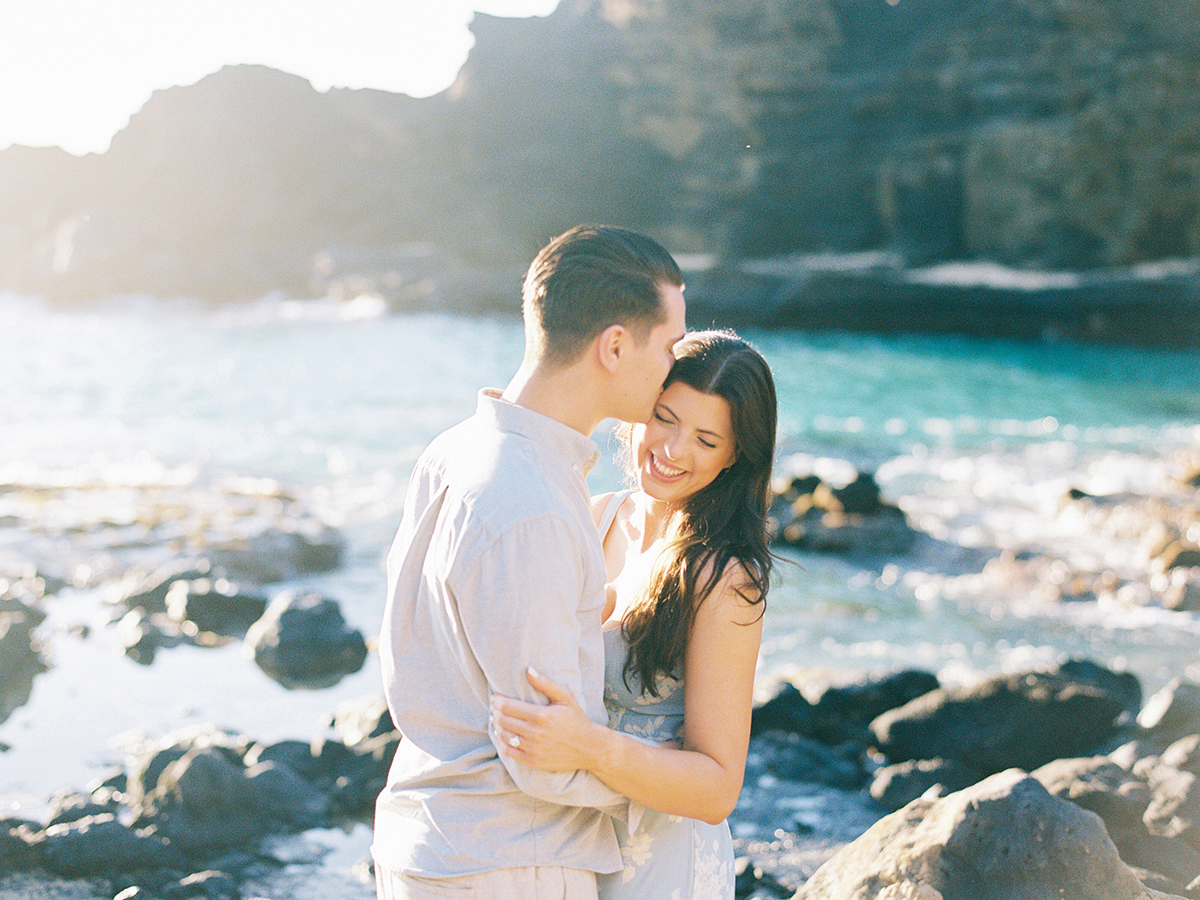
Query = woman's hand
x=555 y=738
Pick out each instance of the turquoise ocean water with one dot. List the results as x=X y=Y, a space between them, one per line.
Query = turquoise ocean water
x=977 y=440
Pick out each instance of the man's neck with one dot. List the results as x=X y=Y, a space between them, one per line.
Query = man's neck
x=559 y=393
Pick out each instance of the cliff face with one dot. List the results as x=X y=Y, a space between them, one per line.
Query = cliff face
x=1040 y=133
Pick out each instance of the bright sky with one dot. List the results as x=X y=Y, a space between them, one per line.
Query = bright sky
x=72 y=72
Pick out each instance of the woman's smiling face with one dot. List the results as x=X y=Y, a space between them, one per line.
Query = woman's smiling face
x=687 y=443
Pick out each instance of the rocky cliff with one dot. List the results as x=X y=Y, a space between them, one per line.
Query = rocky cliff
x=1038 y=134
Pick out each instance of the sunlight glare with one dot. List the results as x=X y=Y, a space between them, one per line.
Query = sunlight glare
x=72 y=74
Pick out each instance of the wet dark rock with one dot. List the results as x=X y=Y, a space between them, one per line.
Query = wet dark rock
x=1125 y=686
x=73 y=807
x=98 y=845
x=1174 y=809
x=841 y=712
x=20 y=655
x=143 y=634
x=1183 y=594
x=810 y=514
x=354 y=776
x=296 y=755
x=861 y=496
x=1004 y=837
x=895 y=786
x=358 y=720
x=787 y=709
x=1019 y=721
x=1184 y=754
x=302 y=641
x=1161 y=863
x=751 y=880
x=148 y=767
x=1180 y=555
x=208 y=885
x=845 y=711
x=1173 y=712
x=19 y=844
x=217 y=606
x=146 y=589
x=280 y=553
x=204 y=802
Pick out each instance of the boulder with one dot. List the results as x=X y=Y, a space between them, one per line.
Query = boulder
x=358 y=720
x=217 y=606
x=148 y=766
x=302 y=641
x=146 y=588
x=786 y=709
x=810 y=514
x=20 y=655
x=282 y=552
x=1174 y=808
x=143 y=634
x=204 y=802
x=1017 y=721
x=19 y=844
x=356 y=775
x=1184 y=754
x=1173 y=712
x=845 y=711
x=841 y=712
x=99 y=845
x=1180 y=555
x=1182 y=592
x=1138 y=803
x=1001 y=839
x=1099 y=784
x=895 y=786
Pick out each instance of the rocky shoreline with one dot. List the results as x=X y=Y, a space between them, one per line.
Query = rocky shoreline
x=1057 y=782
x=1050 y=781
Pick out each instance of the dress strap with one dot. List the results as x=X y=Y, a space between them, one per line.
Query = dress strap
x=610 y=511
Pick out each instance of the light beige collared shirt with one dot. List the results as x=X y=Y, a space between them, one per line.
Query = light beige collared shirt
x=496 y=566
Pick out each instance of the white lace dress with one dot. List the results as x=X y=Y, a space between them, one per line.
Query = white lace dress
x=668 y=857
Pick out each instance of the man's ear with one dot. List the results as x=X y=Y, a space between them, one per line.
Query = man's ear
x=610 y=345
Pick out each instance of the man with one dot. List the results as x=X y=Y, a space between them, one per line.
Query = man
x=497 y=566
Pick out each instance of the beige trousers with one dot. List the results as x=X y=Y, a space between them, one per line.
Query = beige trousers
x=527 y=883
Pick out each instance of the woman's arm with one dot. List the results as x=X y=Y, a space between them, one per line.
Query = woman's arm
x=701 y=781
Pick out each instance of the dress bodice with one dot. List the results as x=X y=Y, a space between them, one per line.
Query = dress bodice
x=632 y=711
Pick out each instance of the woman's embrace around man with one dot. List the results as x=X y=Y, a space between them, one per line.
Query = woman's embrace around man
x=639 y=614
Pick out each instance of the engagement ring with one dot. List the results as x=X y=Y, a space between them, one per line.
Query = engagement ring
x=514 y=741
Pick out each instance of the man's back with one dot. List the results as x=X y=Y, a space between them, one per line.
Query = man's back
x=497 y=566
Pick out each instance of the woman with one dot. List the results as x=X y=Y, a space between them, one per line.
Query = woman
x=688 y=572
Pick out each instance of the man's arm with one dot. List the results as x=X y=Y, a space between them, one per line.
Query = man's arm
x=520 y=603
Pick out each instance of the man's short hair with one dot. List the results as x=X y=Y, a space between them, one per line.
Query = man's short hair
x=589 y=278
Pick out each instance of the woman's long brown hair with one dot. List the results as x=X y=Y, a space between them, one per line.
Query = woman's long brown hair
x=724 y=523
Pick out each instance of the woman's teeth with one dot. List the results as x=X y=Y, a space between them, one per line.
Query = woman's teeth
x=664 y=470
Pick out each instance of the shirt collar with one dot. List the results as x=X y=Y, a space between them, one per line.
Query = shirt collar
x=577 y=449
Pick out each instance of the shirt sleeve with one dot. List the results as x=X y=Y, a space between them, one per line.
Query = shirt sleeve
x=521 y=604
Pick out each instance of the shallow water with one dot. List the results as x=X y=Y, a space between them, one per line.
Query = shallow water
x=976 y=440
